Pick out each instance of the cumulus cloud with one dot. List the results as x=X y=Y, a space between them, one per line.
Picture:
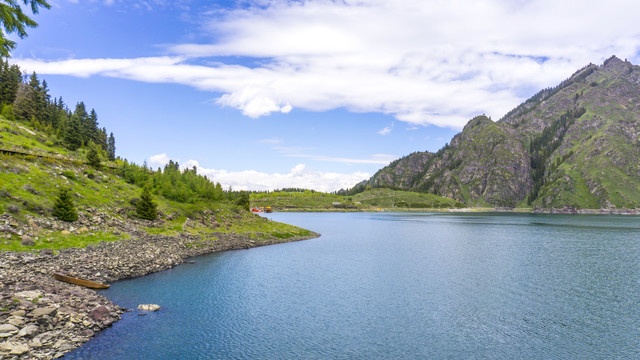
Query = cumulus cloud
x=299 y=176
x=424 y=62
x=158 y=161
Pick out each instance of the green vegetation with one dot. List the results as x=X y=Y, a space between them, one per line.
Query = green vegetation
x=61 y=240
x=297 y=200
x=146 y=208
x=395 y=199
x=367 y=200
x=63 y=208
x=29 y=103
x=36 y=165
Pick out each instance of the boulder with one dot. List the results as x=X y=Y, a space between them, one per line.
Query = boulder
x=99 y=313
x=149 y=307
x=27 y=241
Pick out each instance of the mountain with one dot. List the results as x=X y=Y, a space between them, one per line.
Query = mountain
x=574 y=146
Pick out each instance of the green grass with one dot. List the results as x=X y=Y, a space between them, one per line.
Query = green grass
x=58 y=240
x=396 y=199
x=365 y=201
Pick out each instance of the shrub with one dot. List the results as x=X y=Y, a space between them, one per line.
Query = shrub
x=69 y=174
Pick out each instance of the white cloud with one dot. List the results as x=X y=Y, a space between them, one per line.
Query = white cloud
x=299 y=176
x=425 y=62
x=385 y=131
x=158 y=161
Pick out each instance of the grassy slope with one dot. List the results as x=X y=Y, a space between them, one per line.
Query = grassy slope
x=367 y=200
x=30 y=184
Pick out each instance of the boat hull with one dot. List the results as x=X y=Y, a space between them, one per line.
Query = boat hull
x=81 y=282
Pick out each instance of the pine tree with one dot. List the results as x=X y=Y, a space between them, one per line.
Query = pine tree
x=93 y=159
x=14 y=20
x=146 y=208
x=111 y=147
x=73 y=134
x=63 y=208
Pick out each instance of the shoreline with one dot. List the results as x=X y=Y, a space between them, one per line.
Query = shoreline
x=566 y=211
x=42 y=318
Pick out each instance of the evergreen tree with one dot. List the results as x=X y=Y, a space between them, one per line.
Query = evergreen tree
x=111 y=148
x=23 y=106
x=146 y=208
x=93 y=159
x=14 y=20
x=63 y=208
x=73 y=134
x=243 y=200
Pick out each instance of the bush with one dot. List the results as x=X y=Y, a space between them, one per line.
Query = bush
x=69 y=174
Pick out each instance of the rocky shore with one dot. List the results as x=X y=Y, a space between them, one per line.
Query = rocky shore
x=42 y=318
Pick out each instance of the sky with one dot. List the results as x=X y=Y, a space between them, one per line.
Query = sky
x=317 y=94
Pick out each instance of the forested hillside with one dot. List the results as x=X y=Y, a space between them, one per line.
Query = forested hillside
x=26 y=99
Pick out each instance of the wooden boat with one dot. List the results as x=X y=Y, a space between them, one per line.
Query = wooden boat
x=81 y=282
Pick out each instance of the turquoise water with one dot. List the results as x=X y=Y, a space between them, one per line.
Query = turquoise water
x=397 y=286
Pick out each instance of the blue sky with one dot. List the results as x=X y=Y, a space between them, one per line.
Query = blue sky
x=263 y=94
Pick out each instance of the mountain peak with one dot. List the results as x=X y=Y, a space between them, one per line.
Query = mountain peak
x=572 y=146
x=614 y=63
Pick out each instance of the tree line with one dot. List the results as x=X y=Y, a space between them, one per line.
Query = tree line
x=172 y=183
x=26 y=99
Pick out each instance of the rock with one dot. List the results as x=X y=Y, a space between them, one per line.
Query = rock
x=99 y=313
x=35 y=343
x=43 y=311
x=17 y=321
x=7 y=330
x=29 y=295
x=46 y=251
x=27 y=241
x=18 y=313
x=28 y=330
x=14 y=348
x=149 y=307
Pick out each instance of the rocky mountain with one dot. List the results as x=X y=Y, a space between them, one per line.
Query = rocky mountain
x=574 y=146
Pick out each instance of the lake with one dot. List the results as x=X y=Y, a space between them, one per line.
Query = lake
x=396 y=286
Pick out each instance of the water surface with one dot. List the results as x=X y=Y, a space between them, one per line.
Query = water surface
x=397 y=286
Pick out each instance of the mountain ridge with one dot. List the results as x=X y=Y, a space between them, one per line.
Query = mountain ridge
x=574 y=146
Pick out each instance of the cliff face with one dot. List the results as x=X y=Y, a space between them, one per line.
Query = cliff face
x=576 y=145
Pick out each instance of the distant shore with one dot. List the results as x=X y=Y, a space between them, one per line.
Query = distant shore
x=42 y=318
x=479 y=210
